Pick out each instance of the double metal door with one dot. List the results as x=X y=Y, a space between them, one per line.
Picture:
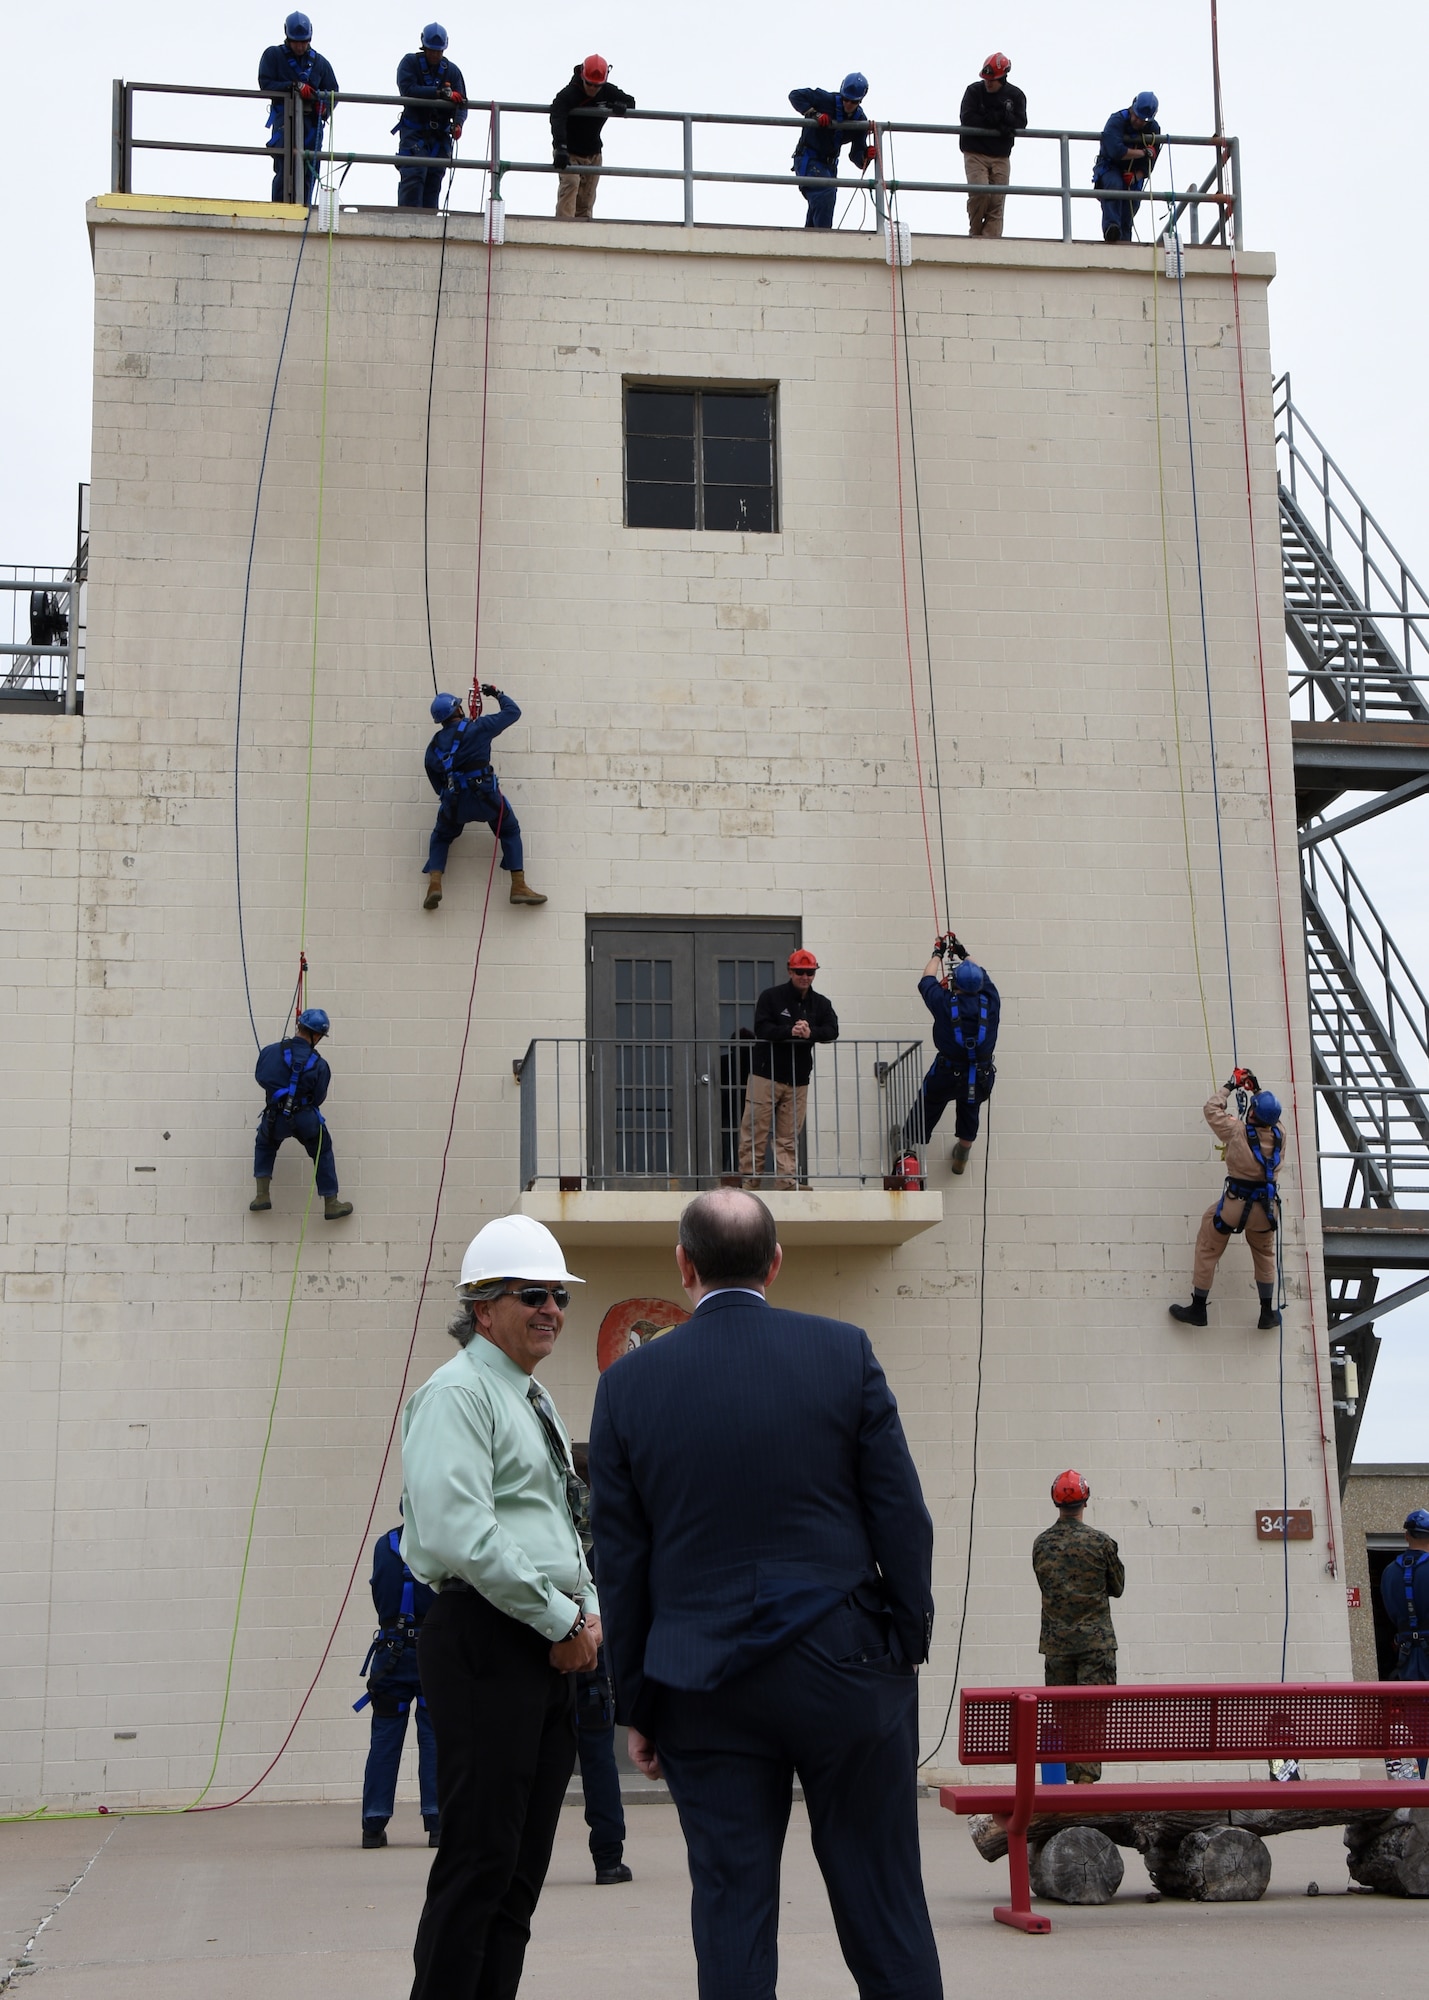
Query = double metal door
x=671 y=1021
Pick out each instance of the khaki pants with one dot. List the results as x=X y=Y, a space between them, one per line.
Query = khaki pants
x=1211 y=1245
x=779 y=1104
x=1081 y=1670
x=575 y=193
x=985 y=210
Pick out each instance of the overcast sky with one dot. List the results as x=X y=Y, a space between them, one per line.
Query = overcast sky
x=1331 y=158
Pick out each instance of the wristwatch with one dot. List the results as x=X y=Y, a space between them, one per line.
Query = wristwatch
x=579 y=1626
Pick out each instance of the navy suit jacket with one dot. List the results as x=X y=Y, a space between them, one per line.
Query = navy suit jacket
x=749 y=1472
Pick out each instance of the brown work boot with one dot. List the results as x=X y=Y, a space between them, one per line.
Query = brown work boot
x=334 y=1210
x=263 y=1197
x=434 y=889
x=961 y=1149
x=521 y=892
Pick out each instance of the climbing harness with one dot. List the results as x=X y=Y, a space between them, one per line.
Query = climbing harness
x=479 y=778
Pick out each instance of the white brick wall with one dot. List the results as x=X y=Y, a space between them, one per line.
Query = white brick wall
x=713 y=724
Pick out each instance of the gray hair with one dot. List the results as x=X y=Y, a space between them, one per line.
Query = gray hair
x=463 y=1328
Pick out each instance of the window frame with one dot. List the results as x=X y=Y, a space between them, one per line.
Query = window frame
x=699 y=388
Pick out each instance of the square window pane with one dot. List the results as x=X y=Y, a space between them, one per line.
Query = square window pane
x=661 y=458
x=736 y=416
x=740 y=509
x=735 y=462
x=660 y=412
x=651 y=506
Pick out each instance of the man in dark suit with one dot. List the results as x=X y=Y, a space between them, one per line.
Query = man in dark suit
x=765 y=1578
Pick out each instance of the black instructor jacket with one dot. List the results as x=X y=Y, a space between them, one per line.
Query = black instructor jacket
x=1003 y=111
x=582 y=135
x=776 y=1054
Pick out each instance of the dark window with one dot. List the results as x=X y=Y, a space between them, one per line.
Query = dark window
x=700 y=458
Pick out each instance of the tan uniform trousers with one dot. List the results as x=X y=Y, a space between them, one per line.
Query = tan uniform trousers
x=985 y=210
x=781 y=1105
x=575 y=193
x=1211 y=1245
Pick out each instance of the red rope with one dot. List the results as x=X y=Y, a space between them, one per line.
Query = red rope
x=892 y=242
x=1333 y=1564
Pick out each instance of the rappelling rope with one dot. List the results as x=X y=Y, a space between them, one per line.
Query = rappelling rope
x=427 y=455
x=1332 y=1563
x=493 y=190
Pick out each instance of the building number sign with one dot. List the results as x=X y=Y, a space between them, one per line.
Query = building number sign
x=1275 y=1524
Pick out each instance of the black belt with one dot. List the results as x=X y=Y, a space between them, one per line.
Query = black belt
x=457 y=1583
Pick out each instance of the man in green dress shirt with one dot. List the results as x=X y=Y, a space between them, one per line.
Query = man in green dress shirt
x=491 y=1507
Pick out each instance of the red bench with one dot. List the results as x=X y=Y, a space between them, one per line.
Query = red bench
x=1028 y=1726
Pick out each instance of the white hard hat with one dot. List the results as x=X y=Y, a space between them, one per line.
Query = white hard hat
x=514 y=1246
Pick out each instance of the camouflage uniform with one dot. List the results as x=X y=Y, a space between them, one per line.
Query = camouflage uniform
x=1078 y=1570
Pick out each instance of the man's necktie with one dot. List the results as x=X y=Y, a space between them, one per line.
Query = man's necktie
x=577 y=1492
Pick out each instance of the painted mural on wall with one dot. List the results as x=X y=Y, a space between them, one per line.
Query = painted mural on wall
x=632 y=1323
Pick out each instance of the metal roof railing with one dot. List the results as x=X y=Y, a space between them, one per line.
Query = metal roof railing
x=1217 y=197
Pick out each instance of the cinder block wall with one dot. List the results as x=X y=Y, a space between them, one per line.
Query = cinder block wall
x=714 y=724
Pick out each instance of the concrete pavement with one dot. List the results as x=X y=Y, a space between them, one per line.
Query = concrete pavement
x=280 y=1898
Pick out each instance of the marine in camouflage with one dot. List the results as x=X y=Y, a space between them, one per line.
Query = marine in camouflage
x=1078 y=1570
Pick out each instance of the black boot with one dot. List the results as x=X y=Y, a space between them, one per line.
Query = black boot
x=1269 y=1317
x=1191 y=1315
x=608 y=1877
x=374 y=1836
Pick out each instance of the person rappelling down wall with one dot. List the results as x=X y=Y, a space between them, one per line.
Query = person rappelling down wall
x=459 y=770
x=1250 y=1201
x=296 y=1080
x=966 y=1011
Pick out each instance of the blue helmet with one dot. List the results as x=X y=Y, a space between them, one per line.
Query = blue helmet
x=1146 y=104
x=434 y=36
x=445 y=707
x=854 y=85
x=298 y=28
x=315 y=1021
x=968 y=977
x=1417 y=1523
x=1265 y=1107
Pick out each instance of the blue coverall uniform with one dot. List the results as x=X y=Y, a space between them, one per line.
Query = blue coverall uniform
x=459 y=767
x=1119 y=210
x=427 y=134
x=963 y=1073
x=818 y=151
x=394 y=1689
x=600 y=1775
x=280 y=69
x=296 y=1079
x=1404 y=1592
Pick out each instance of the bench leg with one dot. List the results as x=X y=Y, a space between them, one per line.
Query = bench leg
x=1020 y=1914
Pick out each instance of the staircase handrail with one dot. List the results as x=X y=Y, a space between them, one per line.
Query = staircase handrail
x=1393 y=970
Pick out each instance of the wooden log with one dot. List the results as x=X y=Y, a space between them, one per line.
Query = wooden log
x=1144 y=1830
x=1077 y=1865
x=1215 y=1864
x=1392 y=1857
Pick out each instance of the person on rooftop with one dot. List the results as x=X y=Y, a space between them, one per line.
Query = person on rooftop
x=292 y=64
x=1000 y=110
x=816 y=157
x=431 y=133
x=578 y=115
x=1128 y=153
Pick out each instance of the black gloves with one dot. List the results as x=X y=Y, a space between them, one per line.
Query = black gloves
x=561 y=156
x=487 y=688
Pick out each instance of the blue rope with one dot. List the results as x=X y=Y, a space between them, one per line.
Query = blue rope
x=243 y=634
x=1206 y=653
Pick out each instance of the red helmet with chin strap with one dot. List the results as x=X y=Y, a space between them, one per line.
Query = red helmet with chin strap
x=1069 y=1489
x=595 y=69
x=996 y=65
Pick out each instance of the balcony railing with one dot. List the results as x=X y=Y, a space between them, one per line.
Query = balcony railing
x=760 y=144
x=615 y=1115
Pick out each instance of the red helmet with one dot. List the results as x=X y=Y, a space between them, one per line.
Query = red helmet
x=1069 y=1489
x=803 y=961
x=595 y=69
x=996 y=65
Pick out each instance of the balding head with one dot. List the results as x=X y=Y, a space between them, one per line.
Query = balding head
x=728 y=1238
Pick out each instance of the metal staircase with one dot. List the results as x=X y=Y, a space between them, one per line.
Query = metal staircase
x=1358 y=624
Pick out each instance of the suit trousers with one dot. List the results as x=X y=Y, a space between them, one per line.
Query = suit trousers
x=506 y=1747
x=782 y=1106
x=836 y=1710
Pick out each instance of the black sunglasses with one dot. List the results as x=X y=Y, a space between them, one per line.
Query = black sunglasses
x=537 y=1295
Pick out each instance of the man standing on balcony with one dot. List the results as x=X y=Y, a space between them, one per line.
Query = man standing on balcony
x=788 y=1021
x=294 y=64
x=1000 y=108
x=578 y=115
x=430 y=133
x=1249 y=1203
x=458 y=766
x=816 y=157
x=967 y=1012
x=1128 y=153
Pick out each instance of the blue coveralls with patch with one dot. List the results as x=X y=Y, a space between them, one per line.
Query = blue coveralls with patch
x=427 y=134
x=963 y=1073
x=280 y=69
x=1119 y=210
x=818 y=151
x=459 y=769
x=1404 y=1592
x=296 y=1079
x=394 y=1689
